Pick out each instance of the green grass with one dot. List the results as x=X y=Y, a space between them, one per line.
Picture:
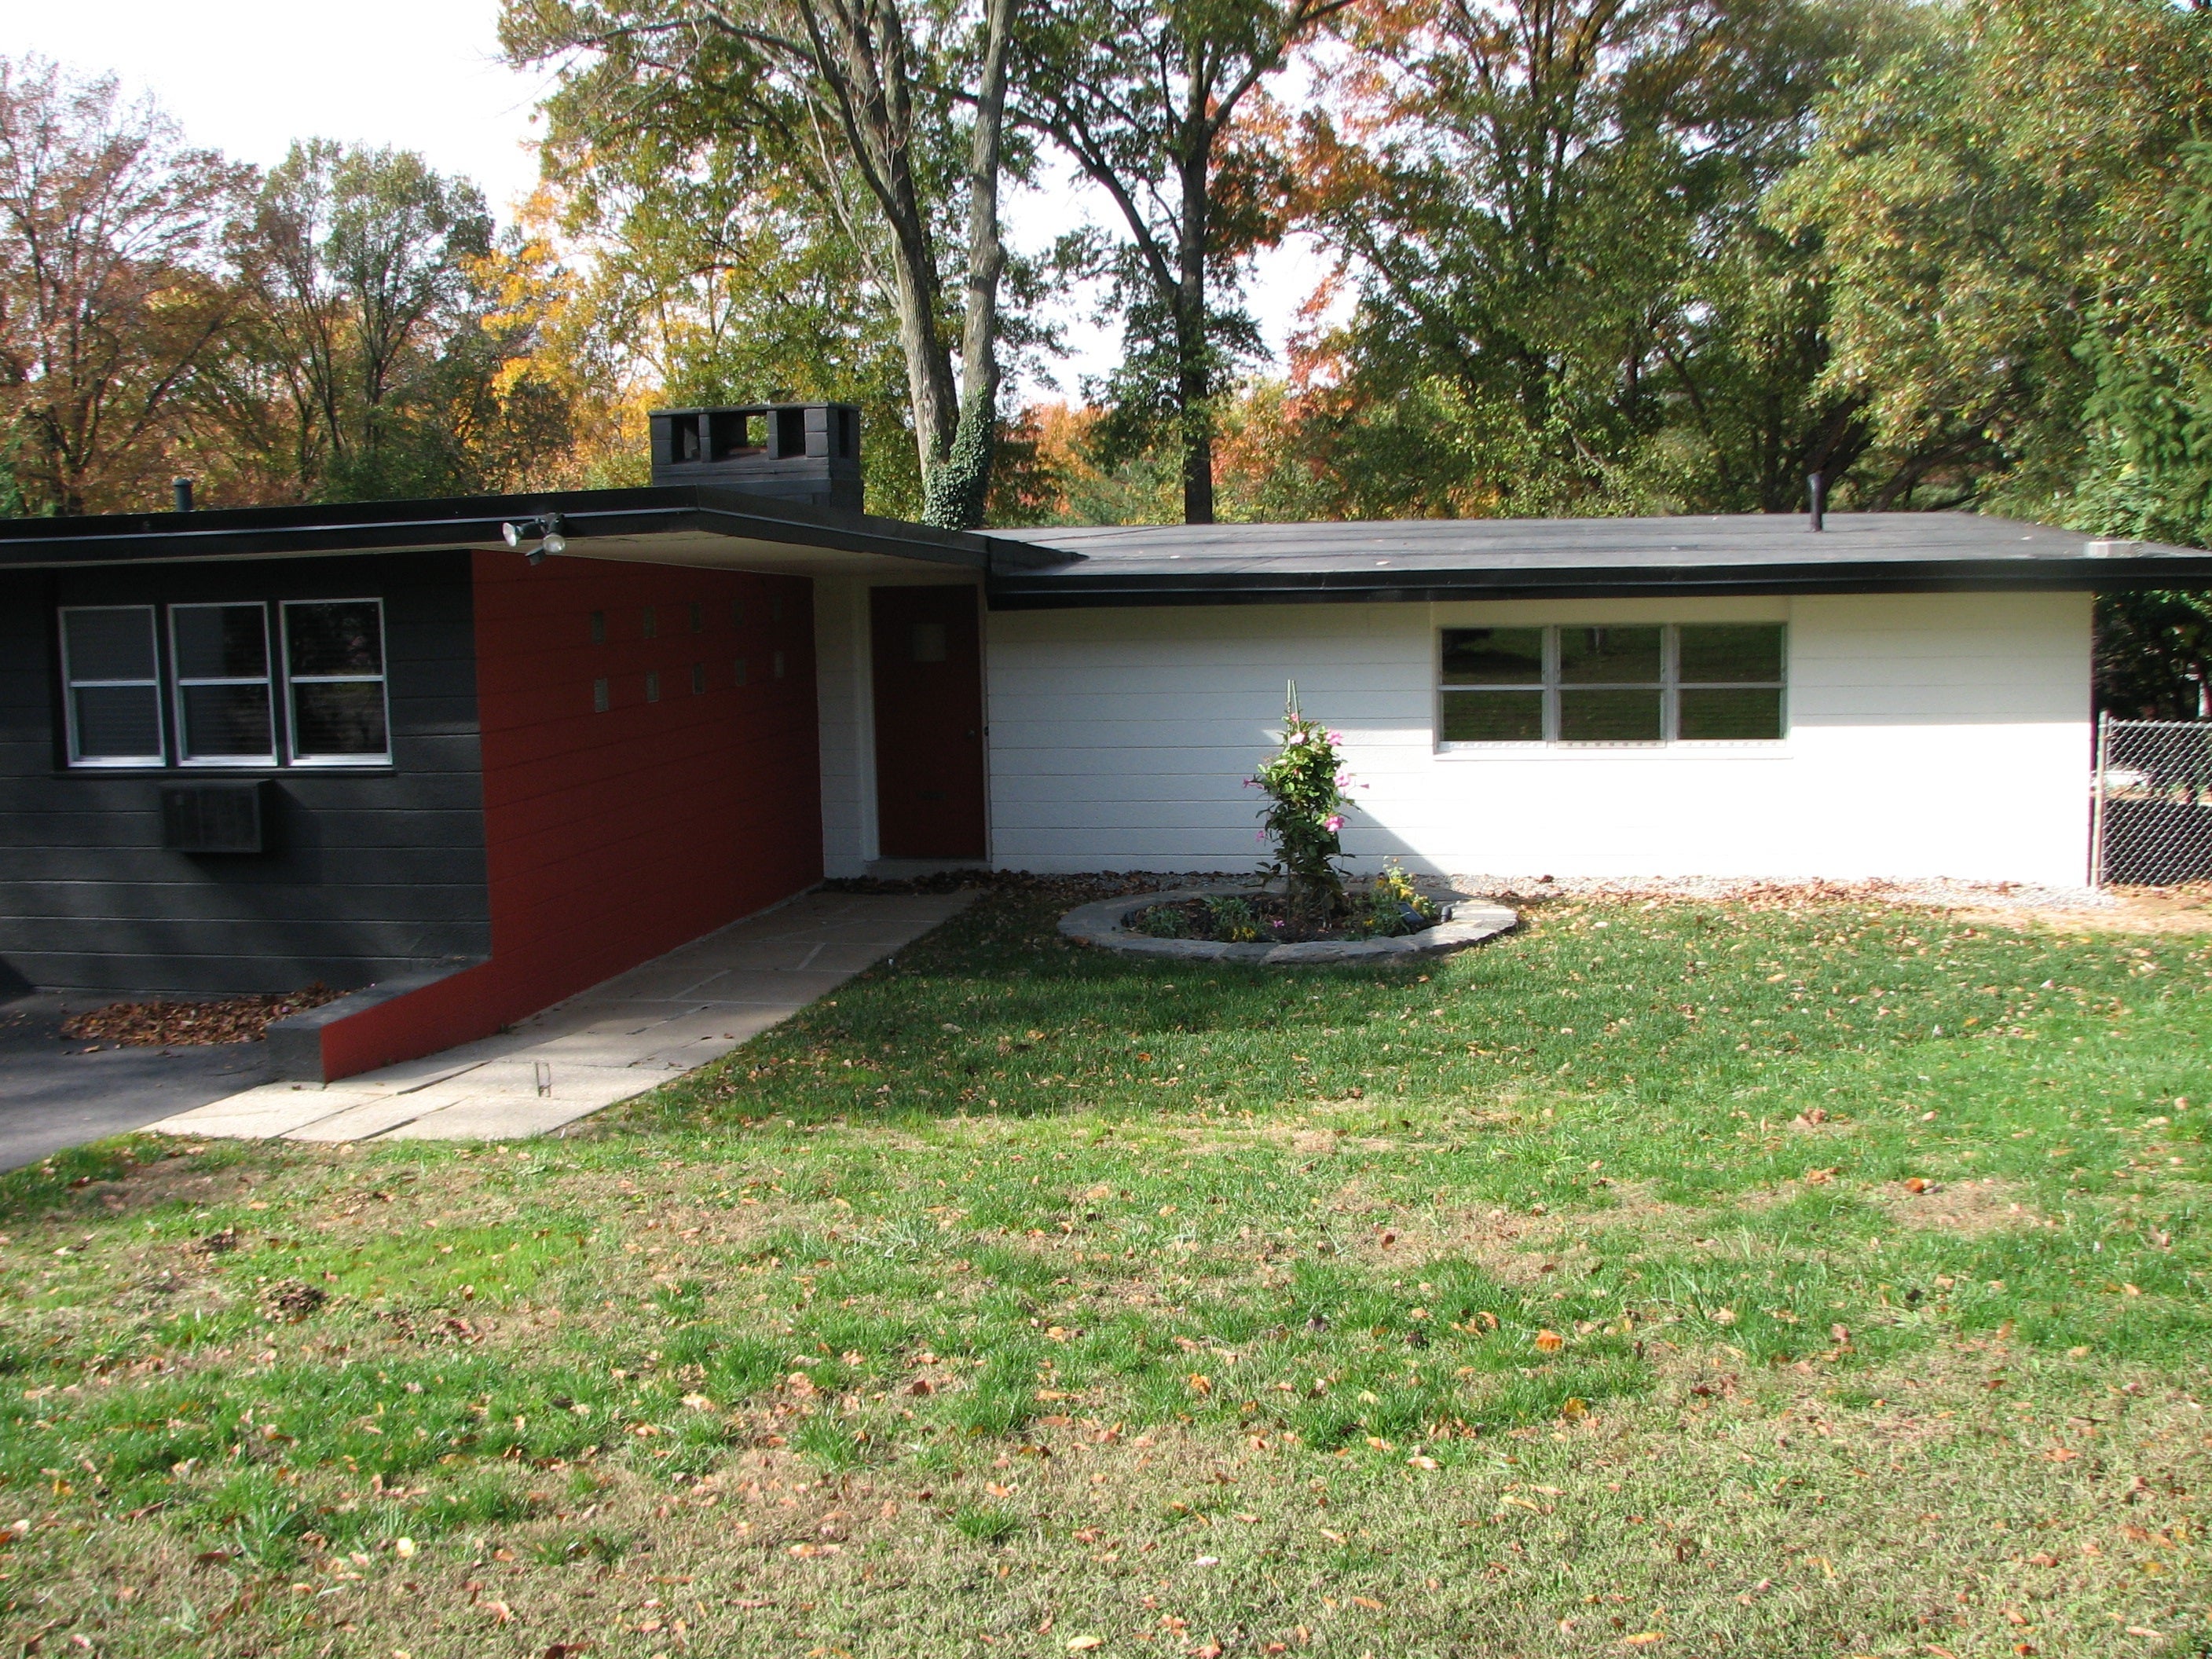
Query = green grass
x=1777 y=1280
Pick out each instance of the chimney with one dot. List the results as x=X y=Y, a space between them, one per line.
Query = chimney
x=181 y=489
x=808 y=453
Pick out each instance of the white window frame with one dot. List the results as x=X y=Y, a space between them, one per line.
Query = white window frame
x=179 y=680
x=382 y=678
x=1670 y=686
x=70 y=685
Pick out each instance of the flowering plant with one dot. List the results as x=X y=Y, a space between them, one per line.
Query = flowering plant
x=1304 y=783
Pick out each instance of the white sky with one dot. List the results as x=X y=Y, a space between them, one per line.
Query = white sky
x=248 y=76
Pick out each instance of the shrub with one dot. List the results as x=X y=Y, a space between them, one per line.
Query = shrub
x=1304 y=784
x=1233 y=920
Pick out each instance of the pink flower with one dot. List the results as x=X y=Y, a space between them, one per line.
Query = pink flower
x=1336 y=737
x=1333 y=823
x=1298 y=737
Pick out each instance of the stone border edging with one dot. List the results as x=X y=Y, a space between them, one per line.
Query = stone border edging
x=1466 y=922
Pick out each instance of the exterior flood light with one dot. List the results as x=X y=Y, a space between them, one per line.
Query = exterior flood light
x=547 y=531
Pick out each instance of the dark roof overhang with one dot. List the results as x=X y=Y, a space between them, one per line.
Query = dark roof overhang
x=681 y=524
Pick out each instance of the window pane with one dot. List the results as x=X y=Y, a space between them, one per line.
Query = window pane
x=118 y=722
x=1493 y=717
x=111 y=644
x=1608 y=656
x=1494 y=656
x=221 y=641
x=1739 y=713
x=342 y=637
x=338 y=717
x=223 y=720
x=1610 y=716
x=1731 y=651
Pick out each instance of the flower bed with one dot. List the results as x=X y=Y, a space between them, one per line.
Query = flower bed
x=1111 y=924
x=1271 y=918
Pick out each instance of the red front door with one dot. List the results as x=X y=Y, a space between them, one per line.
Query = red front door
x=929 y=723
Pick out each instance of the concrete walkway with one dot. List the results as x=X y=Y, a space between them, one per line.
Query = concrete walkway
x=616 y=1040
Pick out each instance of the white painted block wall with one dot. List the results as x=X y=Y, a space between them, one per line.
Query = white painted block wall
x=1929 y=735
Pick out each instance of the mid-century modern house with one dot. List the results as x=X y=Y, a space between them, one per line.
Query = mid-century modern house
x=486 y=752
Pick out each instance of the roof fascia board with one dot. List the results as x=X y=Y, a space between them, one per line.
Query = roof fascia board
x=1084 y=591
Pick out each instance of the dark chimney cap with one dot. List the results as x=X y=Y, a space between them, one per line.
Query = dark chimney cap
x=1816 y=493
x=182 y=487
x=807 y=453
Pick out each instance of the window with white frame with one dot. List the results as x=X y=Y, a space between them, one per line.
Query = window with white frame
x=1638 y=683
x=111 y=667
x=219 y=657
x=334 y=670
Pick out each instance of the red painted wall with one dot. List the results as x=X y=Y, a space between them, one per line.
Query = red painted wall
x=612 y=837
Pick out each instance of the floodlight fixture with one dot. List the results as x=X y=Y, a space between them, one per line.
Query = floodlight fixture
x=546 y=531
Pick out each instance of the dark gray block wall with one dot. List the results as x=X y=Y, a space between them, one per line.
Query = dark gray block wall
x=369 y=873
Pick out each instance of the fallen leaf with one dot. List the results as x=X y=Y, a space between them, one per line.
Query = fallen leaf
x=1916 y=1184
x=1642 y=1639
x=1084 y=1643
x=1422 y=1463
x=1367 y=1601
x=1574 y=1408
x=1550 y=1341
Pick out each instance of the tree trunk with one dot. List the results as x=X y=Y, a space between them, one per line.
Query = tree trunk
x=955 y=493
x=1194 y=376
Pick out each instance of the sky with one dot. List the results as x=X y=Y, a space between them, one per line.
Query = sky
x=248 y=76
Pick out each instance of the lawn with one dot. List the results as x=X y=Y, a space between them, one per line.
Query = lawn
x=1795 y=1276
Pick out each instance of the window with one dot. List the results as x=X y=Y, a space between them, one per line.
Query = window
x=113 y=709
x=698 y=678
x=653 y=686
x=929 y=641
x=1639 y=683
x=223 y=708
x=651 y=623
x=698 y=617
x=737 y=613
x=737 y=672
x=775 y=664
x=334 y=665
x=601 y=700
x=599 y=628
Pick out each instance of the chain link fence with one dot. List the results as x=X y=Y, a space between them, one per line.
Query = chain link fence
x=2153 y=802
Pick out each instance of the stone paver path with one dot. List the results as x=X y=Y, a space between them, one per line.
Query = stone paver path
x=608 y=1043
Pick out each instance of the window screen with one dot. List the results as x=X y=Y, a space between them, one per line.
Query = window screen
x=1730 y=680
x=1638 y=683
x=220 y=653
x=114 y=686
x=334 y=665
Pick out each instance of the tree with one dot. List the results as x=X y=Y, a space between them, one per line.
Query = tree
x=2009 y=216
x=854 y=103
x=1566 y=300
x=1145 y=96
x=110 y=294
x=359 y=262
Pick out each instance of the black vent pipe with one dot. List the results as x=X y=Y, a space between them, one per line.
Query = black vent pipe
x=1816 y=491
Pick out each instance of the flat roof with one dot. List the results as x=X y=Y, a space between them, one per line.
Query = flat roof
x=688 y=524
x=1056 y=567
x=1439 y=559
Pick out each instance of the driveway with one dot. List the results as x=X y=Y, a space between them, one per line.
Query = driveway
x=54 y=1095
